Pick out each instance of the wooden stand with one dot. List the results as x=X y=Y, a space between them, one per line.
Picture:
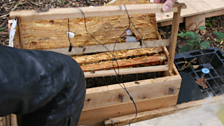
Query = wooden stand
x=106 y=102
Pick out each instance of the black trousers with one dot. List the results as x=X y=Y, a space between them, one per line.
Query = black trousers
x=45 y=88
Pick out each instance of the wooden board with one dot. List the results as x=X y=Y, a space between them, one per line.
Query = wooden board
x=125 y=63
x=218 y=100
x=194 y=7
x=52 y=34
x=114 y=94
x=194 y=22
x=127 y=71
x=95 y=58
x=96 y=116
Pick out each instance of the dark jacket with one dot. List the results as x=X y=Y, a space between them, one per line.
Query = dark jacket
x=46 y=88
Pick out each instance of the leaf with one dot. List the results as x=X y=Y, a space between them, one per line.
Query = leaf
x=185 y=48
x=1 y=29
x=192 y=35
x=208 y=24
x=219 y=35
x=181 y=34
x=63 y=2
x=205 y=44
x=202 y=82
x=202 y=28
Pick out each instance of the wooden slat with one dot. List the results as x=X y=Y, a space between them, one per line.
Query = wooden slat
x=119 y=46
x=194 y=7
x=175 y=27
x=120 y=121
x=114 y=94
x=20 y=33
x=13 y=120
x=95 y=58
x=63 y=13
x=96 y=116
x=147 y=60
x=127 y=71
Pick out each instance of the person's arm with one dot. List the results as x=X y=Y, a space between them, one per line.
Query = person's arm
x=167 y=4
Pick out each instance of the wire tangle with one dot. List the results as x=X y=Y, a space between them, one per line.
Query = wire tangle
x=112 y=53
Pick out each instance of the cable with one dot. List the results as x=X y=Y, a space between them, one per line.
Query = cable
x=70 y=44
x=114 y=58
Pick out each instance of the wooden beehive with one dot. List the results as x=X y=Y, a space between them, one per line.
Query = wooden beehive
x=48 y=31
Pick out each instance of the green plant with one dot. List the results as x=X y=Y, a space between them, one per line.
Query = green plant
x=219 y=35
x=194 y=40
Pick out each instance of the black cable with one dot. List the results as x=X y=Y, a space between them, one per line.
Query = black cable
x=70 y=44
x=117 y=73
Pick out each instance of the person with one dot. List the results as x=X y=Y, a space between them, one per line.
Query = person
x=44 y=88
x=168 y=4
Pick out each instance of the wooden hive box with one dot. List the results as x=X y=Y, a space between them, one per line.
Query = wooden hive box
x=48 y=31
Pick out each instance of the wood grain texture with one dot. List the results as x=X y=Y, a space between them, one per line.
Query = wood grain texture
x=52 y=34
x=114 y=94
x=172 y=48
x=148 y=115
x=117 y=54
x=126 y=71
x=194 y=7
x=148 y=60
x=194 y=22
x=114 y=106
x=96 y=116
x=106 y=47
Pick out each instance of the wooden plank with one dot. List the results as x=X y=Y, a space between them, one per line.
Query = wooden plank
x=194 y=22
x=172 y=47
x=1 y=121
x=214 y=13
x=218 y=100
x=20 y=33
x=125 y=63
x=114 y=94
x=119 y=46
x=13 y=120
x=166 y=23
x=96 y=116
x=63 y=13
x=95 y=58
x=174 y=67
x=194 y=7
x=127 y=71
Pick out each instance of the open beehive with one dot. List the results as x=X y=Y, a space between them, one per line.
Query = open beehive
x=147 y=70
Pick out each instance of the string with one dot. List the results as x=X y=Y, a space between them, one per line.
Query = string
x=114 y=58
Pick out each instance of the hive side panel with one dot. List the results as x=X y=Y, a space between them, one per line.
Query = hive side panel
x=96 y=116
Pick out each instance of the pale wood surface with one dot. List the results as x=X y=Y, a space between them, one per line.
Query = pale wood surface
x=192 y=24
x=172 y=47
x=127 y=71
x=52 y=34
x=119 y=46
x=117 y=103
x=96 y=116
x=208 y=103
x=114 y=94
x=99 y=11
x=194 y=7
